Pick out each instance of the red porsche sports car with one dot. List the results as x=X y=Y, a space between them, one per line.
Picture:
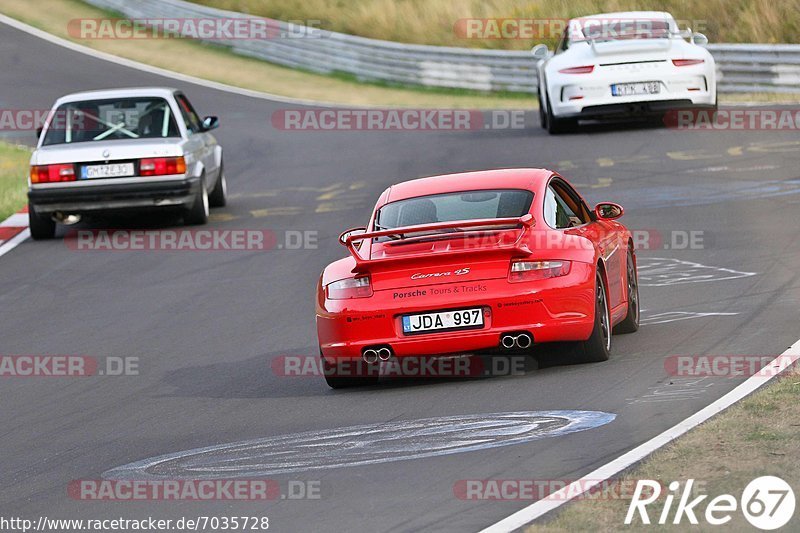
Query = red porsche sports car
x=477 y=262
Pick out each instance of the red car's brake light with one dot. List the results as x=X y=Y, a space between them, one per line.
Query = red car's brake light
x=349 y=288
x=537 y=270
x=588 y=69
x=53 y=173
x=162 y=166
x=687 y=62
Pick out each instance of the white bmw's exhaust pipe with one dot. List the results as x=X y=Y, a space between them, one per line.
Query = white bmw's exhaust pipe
x=370 y=356
x=67 y=220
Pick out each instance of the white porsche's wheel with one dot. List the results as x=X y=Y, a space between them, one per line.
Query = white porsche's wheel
x=557 y=125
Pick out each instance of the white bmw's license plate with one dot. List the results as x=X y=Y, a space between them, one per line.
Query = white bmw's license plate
x=445 y=320
x=115 y=170
x=631 y=89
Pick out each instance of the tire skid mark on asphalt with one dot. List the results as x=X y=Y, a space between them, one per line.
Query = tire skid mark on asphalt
x=667 y=317
x=375 y=443
x=667 y=272
x=682 y=389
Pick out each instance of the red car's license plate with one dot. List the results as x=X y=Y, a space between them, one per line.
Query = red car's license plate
x=444 y=320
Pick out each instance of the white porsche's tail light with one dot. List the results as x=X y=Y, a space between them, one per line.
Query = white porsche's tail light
x=349 y=288
x=537 y=270
x=687 y=62
x=52 y=173
x=588 y=69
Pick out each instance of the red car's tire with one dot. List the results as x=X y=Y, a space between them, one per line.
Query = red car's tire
x=631 y=322
x=597 y=348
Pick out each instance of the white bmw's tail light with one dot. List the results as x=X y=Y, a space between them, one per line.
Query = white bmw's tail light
x=588 y=69
x=52 y=173
x=349 y=288
x=537 y=270
x=162 y=166
x=687 y=62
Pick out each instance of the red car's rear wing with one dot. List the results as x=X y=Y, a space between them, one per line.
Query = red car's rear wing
x=525 y=222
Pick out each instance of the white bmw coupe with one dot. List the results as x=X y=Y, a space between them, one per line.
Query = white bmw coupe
x=621 y=65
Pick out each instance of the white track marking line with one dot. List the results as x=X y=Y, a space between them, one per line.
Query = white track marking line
x=14 y=241
x=17 y=220
x=576 y=488
x=14 y=23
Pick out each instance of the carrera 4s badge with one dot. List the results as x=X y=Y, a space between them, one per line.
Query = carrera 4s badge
x=458 y=272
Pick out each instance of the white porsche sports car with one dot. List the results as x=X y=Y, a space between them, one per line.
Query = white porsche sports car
x=621 y=65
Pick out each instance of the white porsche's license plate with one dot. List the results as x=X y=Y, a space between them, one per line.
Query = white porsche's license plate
x=115 y=170
x=631 y=89
x=445 y=320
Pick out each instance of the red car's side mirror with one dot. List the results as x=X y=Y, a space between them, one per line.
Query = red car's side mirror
x=608 y=211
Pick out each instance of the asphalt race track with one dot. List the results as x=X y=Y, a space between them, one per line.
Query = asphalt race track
x=206 y=326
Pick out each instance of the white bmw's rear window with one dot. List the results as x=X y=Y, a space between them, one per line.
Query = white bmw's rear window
x=112 y=119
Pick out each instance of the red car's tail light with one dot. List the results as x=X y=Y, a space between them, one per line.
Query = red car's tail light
x=687 y=62
x=349 y=288
x=52 y=173
x=162 y=166
x=537 y=270
x=588 y=69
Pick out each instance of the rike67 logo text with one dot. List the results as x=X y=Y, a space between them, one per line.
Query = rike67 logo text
x=767 y=502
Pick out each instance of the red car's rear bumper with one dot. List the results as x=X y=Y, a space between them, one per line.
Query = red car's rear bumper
x=557 y=309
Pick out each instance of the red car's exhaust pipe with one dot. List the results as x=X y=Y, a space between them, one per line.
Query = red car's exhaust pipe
x=370 y=356
x=524 y=341
x=520 y=341
x=508 y=341
x=375 y=354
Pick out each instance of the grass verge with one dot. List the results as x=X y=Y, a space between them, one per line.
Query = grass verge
x=433 y=21
x=759 y=436
x=13 y=169
x=219 y=64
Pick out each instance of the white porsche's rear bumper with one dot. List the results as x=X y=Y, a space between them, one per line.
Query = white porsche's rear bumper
x=590 y=95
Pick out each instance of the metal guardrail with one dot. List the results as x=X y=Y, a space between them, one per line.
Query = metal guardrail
x=741 y=67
